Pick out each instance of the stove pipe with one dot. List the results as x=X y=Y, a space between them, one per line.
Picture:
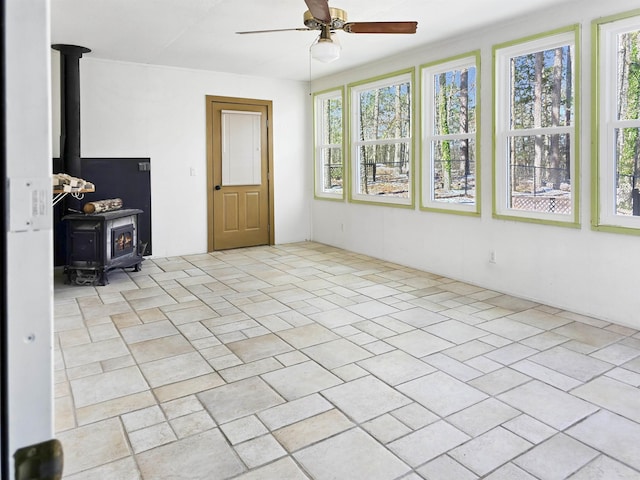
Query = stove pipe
x=70 y=107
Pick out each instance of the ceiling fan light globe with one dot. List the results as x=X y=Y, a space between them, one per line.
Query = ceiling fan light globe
x=325 y=50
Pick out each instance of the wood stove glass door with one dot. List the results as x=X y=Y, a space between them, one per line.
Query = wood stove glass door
x=239 y=192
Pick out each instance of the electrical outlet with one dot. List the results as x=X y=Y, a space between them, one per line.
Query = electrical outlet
x=492 y=256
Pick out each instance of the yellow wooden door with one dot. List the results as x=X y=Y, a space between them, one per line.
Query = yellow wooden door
x=239 y=174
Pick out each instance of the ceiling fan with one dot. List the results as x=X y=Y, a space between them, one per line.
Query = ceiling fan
x=326 y=19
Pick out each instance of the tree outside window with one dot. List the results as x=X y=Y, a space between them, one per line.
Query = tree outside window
x=536 y=129
x=382 y=139
x=329 y=171
x=617 y=123
x=450 y=109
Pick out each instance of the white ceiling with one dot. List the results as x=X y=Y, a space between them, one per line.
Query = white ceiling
x=200 y=34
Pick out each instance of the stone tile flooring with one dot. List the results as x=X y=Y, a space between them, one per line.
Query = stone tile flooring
x=304 y=361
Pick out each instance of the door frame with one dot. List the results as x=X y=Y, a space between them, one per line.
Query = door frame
x=211 y=100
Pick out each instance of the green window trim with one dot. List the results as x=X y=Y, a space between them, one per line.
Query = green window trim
x=597 y=120
x=318 y=190
x=425 y=186
x=500 y=209
x=354 y=88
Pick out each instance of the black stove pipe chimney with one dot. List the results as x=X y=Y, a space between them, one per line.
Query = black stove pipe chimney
x=70 y=107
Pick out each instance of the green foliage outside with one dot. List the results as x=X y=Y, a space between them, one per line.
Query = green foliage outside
x=628 y=139
x=454 y=113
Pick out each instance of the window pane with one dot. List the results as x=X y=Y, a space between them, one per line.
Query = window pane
x=455 y=101
x=329 y=169
x=241 y=154
x=332 y=170
x=384 y=170
x=627 y=171
x=454 y=179
x=385 y=113
x=541 y=89
x=539 y=169
x=629 y=76
x=332 y=117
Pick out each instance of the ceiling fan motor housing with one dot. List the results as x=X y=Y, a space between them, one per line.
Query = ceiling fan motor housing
x=338 y=20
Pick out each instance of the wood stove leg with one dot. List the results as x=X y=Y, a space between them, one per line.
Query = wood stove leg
x=103 y=278
x=67 y=273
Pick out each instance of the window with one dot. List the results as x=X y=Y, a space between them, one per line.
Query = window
x=329 y=165
x=381 y=140
x=617 y=124
x=450 y=143
x=536 y=161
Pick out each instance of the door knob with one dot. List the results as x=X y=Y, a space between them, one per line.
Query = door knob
x=217 y=187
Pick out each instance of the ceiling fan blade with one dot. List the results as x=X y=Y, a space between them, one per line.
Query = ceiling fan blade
x=276 y=30
x=380 y=27
x=320 y=10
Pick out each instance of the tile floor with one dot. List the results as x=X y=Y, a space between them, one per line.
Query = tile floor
x=304 y=361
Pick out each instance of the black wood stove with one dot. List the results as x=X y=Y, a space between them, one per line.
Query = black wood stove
x=101 y=242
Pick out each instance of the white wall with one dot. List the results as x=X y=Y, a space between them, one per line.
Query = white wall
x=135 y=110
x=29 y=257
x=580 y=270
